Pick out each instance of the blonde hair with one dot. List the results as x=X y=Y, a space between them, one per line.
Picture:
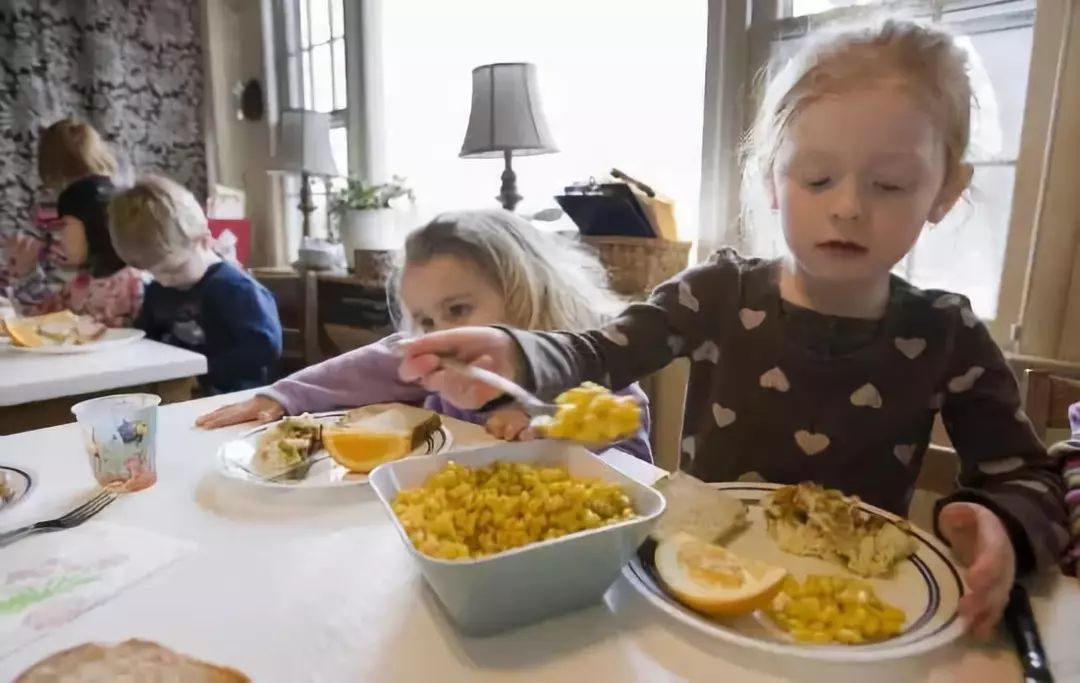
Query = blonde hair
x=924 y=60
x=154 y=219
x=69 y=150
x=547 y=281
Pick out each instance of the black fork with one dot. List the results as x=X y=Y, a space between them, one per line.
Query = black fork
x=68 y=521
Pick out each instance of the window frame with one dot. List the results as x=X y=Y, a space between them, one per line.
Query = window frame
x=748 y=33
x=291 y=47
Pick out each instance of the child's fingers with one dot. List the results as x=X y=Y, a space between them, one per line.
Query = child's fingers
x=214 y=419
x=418 y=368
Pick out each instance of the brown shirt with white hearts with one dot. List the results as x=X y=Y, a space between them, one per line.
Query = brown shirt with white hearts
x=773 y=398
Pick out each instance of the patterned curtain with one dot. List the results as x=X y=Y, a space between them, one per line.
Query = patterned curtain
x=132 y=68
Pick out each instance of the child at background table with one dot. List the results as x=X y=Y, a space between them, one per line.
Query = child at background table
x=822 y=365
x=467 y=268
x=196 y=301
x=73 y=159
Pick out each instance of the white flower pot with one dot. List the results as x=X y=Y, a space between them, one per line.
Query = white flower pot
x=373 y=229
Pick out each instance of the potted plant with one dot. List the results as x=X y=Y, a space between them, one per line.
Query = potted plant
x=366 y=214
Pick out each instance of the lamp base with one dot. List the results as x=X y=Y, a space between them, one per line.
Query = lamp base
x=306 y=206
x=508 y=195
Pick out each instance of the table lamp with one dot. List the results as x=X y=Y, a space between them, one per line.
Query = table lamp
x=506 y=121
x=304 y=148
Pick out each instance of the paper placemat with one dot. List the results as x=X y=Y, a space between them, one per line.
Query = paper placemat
x=48 y=580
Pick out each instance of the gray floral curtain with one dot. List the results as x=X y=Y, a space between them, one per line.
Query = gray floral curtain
x=132 y=68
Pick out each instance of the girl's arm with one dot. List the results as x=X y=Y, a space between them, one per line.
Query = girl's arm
x=643 y=339
x=1004 y=467
x=36 y=292
x=359 y=377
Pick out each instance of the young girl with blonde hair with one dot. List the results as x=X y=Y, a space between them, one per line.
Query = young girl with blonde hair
x=486 y=267
x=74 y=161
x=822 y=365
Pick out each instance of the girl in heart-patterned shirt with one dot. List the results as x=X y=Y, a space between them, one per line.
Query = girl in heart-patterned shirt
x=822 y=365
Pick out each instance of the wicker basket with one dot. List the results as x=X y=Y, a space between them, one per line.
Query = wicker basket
x=636 y=265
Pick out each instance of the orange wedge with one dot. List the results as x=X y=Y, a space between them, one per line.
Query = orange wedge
x=363 y=451
x=23 y=334
x=25 y=331
x=713 y=580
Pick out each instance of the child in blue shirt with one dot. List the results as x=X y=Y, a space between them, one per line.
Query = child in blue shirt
x=197 y=301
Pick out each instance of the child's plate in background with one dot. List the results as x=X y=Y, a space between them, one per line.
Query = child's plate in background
x=110 y=340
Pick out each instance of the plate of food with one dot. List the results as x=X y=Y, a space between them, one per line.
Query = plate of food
x=800 y=570
x=64 y=333
x=329 y=450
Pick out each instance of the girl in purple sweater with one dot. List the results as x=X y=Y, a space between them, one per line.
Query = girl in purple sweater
x=469 y=268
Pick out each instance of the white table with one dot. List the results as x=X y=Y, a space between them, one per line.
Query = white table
x=27 y=377
x=289 y=586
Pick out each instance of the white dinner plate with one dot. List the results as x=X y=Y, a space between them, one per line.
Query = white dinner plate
x=17 y=484
x=234 y=459
x=927 y=586
x=110 y=340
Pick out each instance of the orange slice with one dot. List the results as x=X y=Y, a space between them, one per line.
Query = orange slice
x=363 y=451
x=23 y=334
x=713 y=580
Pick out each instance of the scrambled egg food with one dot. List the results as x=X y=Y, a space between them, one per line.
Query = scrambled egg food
x=807 y=519
x=834 y=609
x=591 y=414
x=467 y=513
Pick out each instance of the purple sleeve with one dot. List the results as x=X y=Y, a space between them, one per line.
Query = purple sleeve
x=359 y=377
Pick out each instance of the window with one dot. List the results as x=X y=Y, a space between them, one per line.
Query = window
x=621 y=86
x=966 y=252
x=315 y=79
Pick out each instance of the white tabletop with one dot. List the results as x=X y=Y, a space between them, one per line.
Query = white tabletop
x=288 y=586
x=26 y=377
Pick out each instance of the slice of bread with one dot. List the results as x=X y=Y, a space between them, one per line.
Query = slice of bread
x=131 y=660
x=394 y=418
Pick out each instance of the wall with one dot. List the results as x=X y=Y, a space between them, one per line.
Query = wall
x=238 y=152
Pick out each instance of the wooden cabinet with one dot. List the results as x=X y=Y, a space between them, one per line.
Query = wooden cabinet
x=324 y=314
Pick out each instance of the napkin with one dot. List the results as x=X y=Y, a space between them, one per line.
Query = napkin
x=49 y=580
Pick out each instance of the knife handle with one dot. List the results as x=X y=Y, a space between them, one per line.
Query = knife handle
x=1020 y=622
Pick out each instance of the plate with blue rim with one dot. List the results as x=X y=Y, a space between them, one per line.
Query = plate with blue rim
x=15 y=484
x=927 y=586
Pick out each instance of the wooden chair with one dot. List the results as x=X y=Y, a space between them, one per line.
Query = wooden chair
x=1047 y=398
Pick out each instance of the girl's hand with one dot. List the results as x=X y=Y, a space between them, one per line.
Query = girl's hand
x=509 y=424
x=484 y=347
x=260 y=409
x=981 y=543
x=24 y=251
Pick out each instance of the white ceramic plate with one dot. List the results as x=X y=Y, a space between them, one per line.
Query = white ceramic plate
x=18 y=483
x=234 y=460
x=927 y=586
x=110 y=340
